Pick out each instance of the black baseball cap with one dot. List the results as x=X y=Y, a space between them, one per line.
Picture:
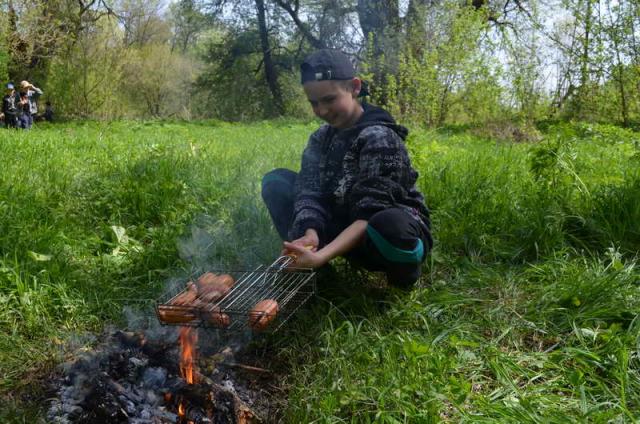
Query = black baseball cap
x=326 y=64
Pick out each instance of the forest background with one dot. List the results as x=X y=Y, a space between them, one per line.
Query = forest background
x=431 y=62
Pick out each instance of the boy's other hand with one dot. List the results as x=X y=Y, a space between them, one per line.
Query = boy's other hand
x=304 y=256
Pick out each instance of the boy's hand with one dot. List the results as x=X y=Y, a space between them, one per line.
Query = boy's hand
x=305 y=257
x=309 y=241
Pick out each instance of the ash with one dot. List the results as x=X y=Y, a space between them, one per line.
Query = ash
x=132 y=378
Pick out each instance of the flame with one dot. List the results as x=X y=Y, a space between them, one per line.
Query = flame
x=188 y=341
x=181 y=409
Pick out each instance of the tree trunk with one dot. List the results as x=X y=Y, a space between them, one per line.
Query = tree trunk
x=380 y=20
x=620 y=69
x=584 y=61
x=381 y=25
x=269 y=68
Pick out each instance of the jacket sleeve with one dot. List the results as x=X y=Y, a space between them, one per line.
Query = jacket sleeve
x=384 y=174
x=310 y=208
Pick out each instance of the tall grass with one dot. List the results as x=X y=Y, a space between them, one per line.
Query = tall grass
x=528 y=310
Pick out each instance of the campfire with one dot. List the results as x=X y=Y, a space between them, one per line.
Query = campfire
x=132 y=378
x=138 y=379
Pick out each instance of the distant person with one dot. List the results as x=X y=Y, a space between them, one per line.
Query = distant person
x=48 y=112
x=32 y=92
x=24 y=111
x=355 y=195
x=10 y=107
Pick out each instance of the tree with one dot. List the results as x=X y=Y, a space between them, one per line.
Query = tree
x=85 y=76
x=270 y=72
x=38 y=29
x=188 y=21
x=156 y=79
x=293 y=9
x=143 y=23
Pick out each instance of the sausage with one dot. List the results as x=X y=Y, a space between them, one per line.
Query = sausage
x=187 y=297
x=226 y=280
x=212 y=287
x=212 y=294
x=205 y=279
x=171 y=315
x=263 y=314
x=209 y=278
x=216 y=317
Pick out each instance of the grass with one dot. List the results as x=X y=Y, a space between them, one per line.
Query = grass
x=528 y=310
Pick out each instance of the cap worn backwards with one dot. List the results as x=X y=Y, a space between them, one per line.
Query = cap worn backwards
x=326 y=64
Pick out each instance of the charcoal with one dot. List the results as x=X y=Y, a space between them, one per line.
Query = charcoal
x=165 y=415
x=137 y=362
x=151 y=397
x=145 y=414
x=120 y=382
x=130 y=339
x=154 y=377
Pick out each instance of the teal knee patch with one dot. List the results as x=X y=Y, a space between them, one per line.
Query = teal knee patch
x=394 y=254
x=275 y=178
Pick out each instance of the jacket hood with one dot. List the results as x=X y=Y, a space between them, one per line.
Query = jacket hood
x=374 y=115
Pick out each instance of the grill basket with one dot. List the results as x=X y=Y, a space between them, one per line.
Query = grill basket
x=290 y=287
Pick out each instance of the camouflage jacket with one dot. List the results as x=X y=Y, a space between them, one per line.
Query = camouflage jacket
x=353 y=173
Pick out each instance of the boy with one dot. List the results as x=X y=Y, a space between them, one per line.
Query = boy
x=10 y=107
x=355 y=195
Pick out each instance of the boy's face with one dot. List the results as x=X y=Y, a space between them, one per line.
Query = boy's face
x=335 y=101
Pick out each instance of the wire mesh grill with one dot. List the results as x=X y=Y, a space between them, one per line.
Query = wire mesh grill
x=289 y=287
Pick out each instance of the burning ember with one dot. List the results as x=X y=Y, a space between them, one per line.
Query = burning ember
x=131 y=379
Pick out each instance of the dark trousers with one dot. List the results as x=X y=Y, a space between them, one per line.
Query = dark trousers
x=392 y=242
x=25 y=121
x=10 y=121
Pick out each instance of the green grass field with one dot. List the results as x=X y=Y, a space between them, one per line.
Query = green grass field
x=528 y=310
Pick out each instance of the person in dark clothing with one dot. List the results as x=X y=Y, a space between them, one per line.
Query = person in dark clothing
x=24 y=111
x=48 y=112
x=355 y=194
x=10 y=107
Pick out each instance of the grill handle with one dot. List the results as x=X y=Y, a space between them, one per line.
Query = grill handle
x=285 y=260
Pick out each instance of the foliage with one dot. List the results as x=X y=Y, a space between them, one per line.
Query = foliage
x=233 y=87
x=4 y=56
x=85 y=79
x=447 y=77
x=158 y=81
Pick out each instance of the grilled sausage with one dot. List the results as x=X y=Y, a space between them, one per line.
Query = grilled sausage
x=217 y=318
x=187 y=297
x=205 y=279
x=226 y=280
x=263 y=314
x=172 y=315
x=212 y=287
